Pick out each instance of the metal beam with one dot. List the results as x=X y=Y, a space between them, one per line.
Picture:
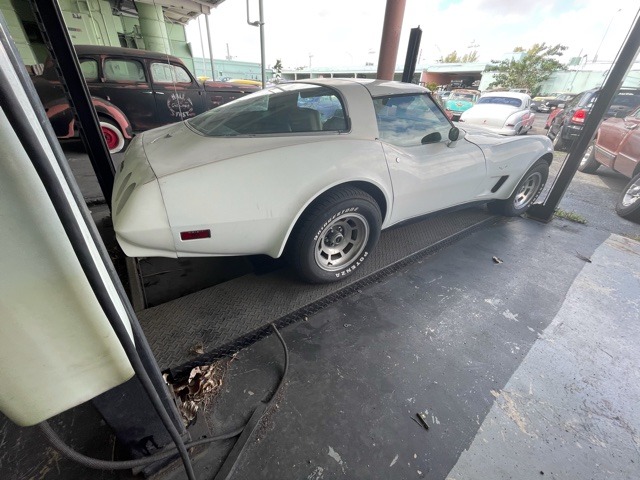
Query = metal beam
x=544 y=211
x=56 y=37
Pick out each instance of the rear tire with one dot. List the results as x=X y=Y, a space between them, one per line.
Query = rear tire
x=335 y=235
x=558 y=142
x=113 y=136
x=589 y=164
x=628 y=205
x=525 y=193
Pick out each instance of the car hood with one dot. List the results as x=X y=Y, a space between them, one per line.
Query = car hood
x=489 y=114
x=458 y=105
x=176 y=147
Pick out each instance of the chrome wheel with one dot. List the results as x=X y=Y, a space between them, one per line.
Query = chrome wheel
x=528 y=191
x=632 y=194
x=341 y=241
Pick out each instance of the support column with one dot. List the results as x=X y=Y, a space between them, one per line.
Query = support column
x=153 y=28
x=391 y=30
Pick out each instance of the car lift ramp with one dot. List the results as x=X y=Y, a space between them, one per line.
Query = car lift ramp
x=223 y=319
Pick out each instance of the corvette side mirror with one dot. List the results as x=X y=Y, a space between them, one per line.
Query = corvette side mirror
x=454 y=134
x=434 y=137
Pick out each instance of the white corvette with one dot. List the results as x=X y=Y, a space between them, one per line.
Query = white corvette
x=314 y=170
x=506 y=113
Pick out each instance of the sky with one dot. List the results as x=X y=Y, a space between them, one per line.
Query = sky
x=347 y=33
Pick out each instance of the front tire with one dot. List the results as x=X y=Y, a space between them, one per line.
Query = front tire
x=628 y=205
x=588 y=163
x=525 y=193
x=335 y=235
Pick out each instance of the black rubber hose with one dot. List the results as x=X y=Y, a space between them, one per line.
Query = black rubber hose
x=98 y=464
x=286 y=362
x=228 y=467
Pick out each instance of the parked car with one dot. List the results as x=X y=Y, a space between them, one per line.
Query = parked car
x=444 y=95
x=567 y=125
x=263 y=175
x=132 y=91
x=460 y=101
x=560 y=101
x=506 y=113
x=540 y=99
x=617 y=146
x=550 y=118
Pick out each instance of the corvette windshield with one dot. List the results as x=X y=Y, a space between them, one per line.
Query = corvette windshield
x=296 y=107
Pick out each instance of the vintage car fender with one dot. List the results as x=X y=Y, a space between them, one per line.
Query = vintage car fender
x=62 y=120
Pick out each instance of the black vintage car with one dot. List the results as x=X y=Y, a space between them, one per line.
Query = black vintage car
x=559 y=101
x=132 y=91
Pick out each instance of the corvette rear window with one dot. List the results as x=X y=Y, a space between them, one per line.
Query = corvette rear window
x=287 y=108
x=512 y=102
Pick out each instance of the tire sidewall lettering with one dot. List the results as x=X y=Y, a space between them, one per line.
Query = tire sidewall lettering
x=351 y=268
x=332 y=218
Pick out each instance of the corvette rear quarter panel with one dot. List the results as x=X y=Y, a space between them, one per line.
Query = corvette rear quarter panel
x=250 y=203
x=509 y=156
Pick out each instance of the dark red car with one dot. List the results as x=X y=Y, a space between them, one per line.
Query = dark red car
x=132 y=91
x=617 y=146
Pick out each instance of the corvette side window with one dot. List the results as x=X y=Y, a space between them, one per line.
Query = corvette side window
x=404 y=120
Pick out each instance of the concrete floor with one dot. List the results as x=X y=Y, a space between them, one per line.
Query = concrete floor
x=525 y=369
x=537 y=377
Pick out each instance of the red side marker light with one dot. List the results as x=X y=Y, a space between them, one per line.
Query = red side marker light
x=195 y=234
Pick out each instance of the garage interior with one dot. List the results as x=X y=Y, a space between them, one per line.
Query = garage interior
x=519 y=353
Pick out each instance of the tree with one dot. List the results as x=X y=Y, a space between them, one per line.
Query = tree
x=470 y=57
x=534 y=67
x=454 y=58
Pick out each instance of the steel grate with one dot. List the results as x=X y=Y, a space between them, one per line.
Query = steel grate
x=230 y=316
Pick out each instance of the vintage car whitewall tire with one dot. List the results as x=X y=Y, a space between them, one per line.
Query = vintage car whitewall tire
x=525 y=193
x=588 y=163
x=335 y=235
x=628 y=205
x=112 y=135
